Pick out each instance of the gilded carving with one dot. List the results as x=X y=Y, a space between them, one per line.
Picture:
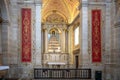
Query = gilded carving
x=55 y=18
x=66 y=8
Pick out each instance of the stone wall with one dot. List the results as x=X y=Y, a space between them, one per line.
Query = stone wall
x=4 y=33
x=18 y=69
x=10 y=38
x=115 y=49
x=106 y=35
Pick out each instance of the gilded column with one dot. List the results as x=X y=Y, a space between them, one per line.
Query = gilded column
x=66 y=40
x=46 y=39
x=43 y=39
x=63 y=40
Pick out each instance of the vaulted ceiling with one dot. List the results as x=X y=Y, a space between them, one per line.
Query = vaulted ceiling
x=68 y=9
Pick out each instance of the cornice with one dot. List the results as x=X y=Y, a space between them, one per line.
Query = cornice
x=117 y=24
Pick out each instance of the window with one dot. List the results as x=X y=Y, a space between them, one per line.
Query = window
x=76 y=36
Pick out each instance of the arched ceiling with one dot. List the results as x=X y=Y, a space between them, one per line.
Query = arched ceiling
x=68 y=9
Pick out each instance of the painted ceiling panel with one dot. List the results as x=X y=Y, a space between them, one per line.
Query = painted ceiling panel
x=66 y=8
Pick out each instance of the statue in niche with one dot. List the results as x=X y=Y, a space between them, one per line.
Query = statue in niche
x=54 y=41
x=53 y=33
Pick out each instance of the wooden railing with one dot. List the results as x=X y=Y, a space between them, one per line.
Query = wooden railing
x=62 y=73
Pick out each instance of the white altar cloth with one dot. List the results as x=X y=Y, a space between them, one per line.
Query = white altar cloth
x=4 y=67
x=56 y=63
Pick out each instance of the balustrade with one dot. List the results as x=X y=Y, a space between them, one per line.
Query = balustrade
x=62 y=73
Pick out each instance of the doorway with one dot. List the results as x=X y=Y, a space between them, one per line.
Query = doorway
x=76 y=61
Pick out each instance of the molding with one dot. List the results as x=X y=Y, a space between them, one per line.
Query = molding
x=84 y=3
x=76 y=51
x=54 y=23
x=113 y=64
x=117 y=24
x=5 y=22
x=30 y=2
x=97 y=3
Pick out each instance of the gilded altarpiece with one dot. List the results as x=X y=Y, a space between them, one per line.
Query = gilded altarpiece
x=54 y=36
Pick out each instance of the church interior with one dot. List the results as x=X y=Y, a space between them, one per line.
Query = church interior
x=60 y=39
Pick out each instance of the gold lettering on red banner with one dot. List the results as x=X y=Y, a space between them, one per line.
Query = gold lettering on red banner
x=96 y=35
x=26 y=34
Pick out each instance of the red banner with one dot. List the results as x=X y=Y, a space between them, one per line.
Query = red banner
x=96 y=35
x=26 y=34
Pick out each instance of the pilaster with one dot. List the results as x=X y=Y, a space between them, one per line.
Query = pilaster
x=38 y=53
x=63 y=40
x=84 y=34
x=107 y=42
x=46 y=40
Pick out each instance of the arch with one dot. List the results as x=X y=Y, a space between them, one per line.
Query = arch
x=5 y=11
x=55 y=29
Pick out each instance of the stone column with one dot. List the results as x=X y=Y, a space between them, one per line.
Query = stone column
x=70 y=45
x=63 y=40
x=66 y=40
x=0 y=41
x=4 y=32
x=4 y=38
x=108 y=32
x=43 y=40
x=115 y=43
x=38 y=35
x=108 y=41
x=84 y=34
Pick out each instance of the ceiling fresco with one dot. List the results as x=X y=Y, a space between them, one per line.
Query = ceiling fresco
x=68 y=9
